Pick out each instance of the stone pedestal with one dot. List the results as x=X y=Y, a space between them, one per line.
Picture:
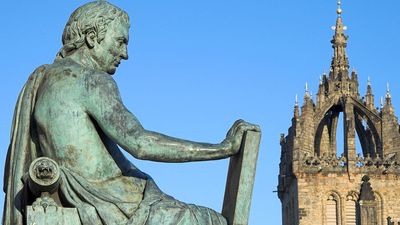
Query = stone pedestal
x=51 y=215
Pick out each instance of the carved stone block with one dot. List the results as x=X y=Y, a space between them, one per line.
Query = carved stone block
x=52 y=215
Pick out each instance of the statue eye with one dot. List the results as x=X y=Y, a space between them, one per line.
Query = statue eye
x=121 y=43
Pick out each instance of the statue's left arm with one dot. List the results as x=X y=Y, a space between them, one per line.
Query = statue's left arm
x=105 y=106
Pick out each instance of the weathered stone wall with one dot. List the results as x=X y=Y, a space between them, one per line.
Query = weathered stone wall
x=314 y=190
x=290 y=209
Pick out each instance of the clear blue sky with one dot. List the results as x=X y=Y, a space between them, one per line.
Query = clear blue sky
x=197 y=66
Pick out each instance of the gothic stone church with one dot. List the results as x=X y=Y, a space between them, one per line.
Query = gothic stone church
x=317 y=185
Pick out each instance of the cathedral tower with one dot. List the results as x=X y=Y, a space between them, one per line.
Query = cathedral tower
x=320 y=184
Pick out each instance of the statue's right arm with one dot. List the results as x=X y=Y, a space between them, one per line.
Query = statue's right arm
x=104 y=105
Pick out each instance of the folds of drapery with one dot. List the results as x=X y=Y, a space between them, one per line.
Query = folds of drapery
x=22 y=150
x=97 y=207
x=96 y=203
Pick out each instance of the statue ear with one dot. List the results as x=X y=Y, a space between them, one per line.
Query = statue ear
x=91 y=38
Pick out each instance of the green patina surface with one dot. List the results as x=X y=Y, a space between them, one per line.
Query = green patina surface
x=71 y=111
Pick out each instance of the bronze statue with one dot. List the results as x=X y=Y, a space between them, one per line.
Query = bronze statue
x=71 y=111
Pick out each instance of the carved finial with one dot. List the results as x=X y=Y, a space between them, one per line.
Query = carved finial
x=388 y=91
x=369 y=91
x=282 y=139
x=339 y=10
x=306 y=88
x=381 y=102
x=366 y=192
x=296 y=107
x=365 y=178
x=307 y=93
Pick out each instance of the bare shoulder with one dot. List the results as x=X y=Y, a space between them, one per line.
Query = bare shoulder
x=68 y=83
x=70 y=74
x=99 y=81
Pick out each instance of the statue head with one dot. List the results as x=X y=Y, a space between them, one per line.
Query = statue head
x=100 y=27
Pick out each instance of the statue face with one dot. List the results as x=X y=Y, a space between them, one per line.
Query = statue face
x=113 y=48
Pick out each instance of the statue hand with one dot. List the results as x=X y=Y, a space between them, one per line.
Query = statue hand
x=235 y=134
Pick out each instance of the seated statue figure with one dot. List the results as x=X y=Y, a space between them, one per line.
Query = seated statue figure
x=71 y=111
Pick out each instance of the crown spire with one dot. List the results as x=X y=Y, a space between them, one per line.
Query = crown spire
x=340 y=62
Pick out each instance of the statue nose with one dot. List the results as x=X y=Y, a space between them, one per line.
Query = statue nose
x=124 y=54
